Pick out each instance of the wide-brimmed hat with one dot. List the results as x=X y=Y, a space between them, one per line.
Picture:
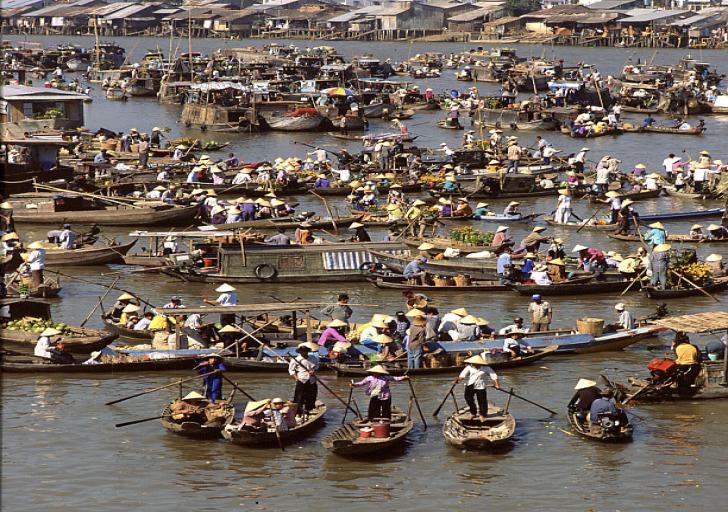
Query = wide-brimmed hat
x=50 y=331
x=584 y=383
x=557 y=261
x=36 y=245
x=501 y=228
x=468 y=320
x=230 y=328
x=426 y=246
x=10 y=236
x=308 y=345
x=662 y=248
x=126 y=296
x=378 y=369
x=130 y=308
x=657 y=225
x=713 y=227
x=254 y=405
x=612 y=194
x=415 y=313
x=460 y=312
x=619 y=306
x=336 y=323
x=714 y=257
x=584 y=149
x=193 y=395
x=538 y=229
x=564 y=191
x=640 y=166
x=627 y=202
x=481 y=205
x=480 y=321
x=578 y=248
x=355 y=225
x=476 y=359
x=5 y=205
x=513 y=203
x=419 y=202
x=696 y=226
x=382 y=339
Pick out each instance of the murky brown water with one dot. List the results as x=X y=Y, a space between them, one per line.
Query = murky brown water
x=62 y=452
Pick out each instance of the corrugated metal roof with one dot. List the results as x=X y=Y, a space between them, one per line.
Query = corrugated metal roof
x=606 y=5
x=20 y=92
x=56 y=8
x=474 y=15
x=699 y=19
x=11 y=4
x=128 y=11
x=103 y=10
x=390 y=10
x=656 y=14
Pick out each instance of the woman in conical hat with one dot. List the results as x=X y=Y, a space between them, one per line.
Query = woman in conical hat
x=476 y=391
x=380 y=397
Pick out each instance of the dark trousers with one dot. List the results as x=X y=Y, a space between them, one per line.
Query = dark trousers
x=379 y=408
x=213 y=388
x=305 y=395
x=477 y=396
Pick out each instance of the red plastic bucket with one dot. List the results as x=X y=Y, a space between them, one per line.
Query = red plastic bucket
x=208 y=262
x=381 y=427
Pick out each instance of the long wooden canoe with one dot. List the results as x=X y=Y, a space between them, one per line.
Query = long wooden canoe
x=634 y=196
x=110 y=216
x=360 y=368
x=400 y=283
x=346 y=440
x=197 y=429
x=83 y=341
x=30 y=364
x=238 y=434
x=579 y=286
x=683 y=239
x=465 y=433
x=87 y=255
x=677 y=293
x=289 y=223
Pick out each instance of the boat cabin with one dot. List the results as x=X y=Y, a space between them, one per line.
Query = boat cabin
x=25 y=160
x=29 y=109
x=13 y=309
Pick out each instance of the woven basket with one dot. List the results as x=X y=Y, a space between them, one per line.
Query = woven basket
x=462 y=280
x=443 y=281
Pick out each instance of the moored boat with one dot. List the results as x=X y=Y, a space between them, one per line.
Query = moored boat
x=577 y=286
x=465 y=433
x=87 y=255
x=31 y=364
x=400 y=282
x=683 y=239
x=205 y=423
x=290 y=222
x=676 y=293
x=606 y=429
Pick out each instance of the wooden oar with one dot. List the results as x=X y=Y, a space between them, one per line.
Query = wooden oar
x=235 y=385
x=101 y=299
x=328 y=210
x=86 y=194
x=275 y=427
x=348 y=402
x=157 y=389
x=417 y=403
x=449 y=392
x=587 y=221
x=634 y=395
x=326 y=387
x=510 y=392
x=633 y=282
x=701 y=290
x=100 y=284
x=118 y=425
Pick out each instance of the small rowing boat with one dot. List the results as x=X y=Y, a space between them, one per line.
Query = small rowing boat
x=634 y=196
x=204 y=422
x=683 y=239
x=32 y=364
x=442 y=123
x=465 y=433
x=237 y=433
x=500 y=218
x=677 y=293
x=400 y=282
x=288 y=223
x=349 y=439
x=606 y=429
x=578 y=286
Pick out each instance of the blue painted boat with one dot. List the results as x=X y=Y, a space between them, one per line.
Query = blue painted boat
x=698 y=214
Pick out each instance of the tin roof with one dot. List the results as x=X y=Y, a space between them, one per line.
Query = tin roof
x=655 y=15
x=696 y=323
x=475 y=14
x=23 y=92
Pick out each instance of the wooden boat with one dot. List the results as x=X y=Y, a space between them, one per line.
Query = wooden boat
x=591 y=135
x=345 y=191
x=81 y=341
x=122 y=332
x=442 y=123
x=501 y=218
x=676 y=293
x=290 y=223
x=48 y=290
x=550 y=221
x=198 y=429
x=579 y=286
x=237 y=434
x=634 y=196
x=466 y=434
x=441 y=243
x=400 y=282
x=597 y=432
x=295 y=123
x=383 y=136
x=495 y=361
x=160 y=214
x=683 y=239
x=695 y=130
x=87 y=255
x=346 y=440
x=31 y=364
x=697 y=214
x=707 y=386
x=115 y=94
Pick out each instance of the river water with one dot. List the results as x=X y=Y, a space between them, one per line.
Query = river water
x=62 y=452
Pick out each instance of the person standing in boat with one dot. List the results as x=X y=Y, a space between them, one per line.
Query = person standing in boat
x=67 y=238
x=211 y=370
x=302 y=369
x=563 y=207
x=476 y=390
x=541 y=314
x=339 y=311
x=380 y=396
x=532 y=242
x=659 y=261
x=228 y=297
x=36 y=261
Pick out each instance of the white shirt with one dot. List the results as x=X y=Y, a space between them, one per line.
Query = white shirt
x=512 y=328
x=142 y=324
x=602 y=176
x=368 y=334
x=668 y=162
x=625 y=320
x=580 y=157
x=194 y=321
x=67 y=238
x=541 y=278
x=700 y=174
x=227 y=299
x=241 y=178
x=449 y=322
x=42 y=347
x=301 y=369
x=476 y=376
x=36 y=259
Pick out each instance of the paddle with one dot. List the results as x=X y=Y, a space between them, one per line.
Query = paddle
x=119 y=425
x=527 y=400
x=449 y=392
x=157 y=389
x=101 y=299
x=417 y=403
x=701 y=290
x=235 y=385
x=633 y=282
x=275 y=426
x=590 y=218
x=634 y=395
x=348 y=402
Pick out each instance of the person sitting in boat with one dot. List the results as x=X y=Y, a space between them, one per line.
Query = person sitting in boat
x=656 y=235
x=528 y=265
x=45 y=342
x=283 y=414
x=463 y=208
x=322 y=181
x=394 y=212
x=368 y=333
x=688 y=360
x=218 y=215
x=360 y=233
x=449 y=323
x=516 y=326
x=380 y=396
x=414 y=271
x=60 y=355
x=211 y=371
x=102 y=157
x=334 y=332
x=556 y=249
x=627 y=217
x=717 y=232
x=254 y=415
x=586 y=393
x=340 y=351
x=143 y=323
x=386 y=346
x=476 y=391
x=556 y=270
x=648 y=121
x=546 y=183
x=450 y=185
x=515 y=346
x=590 y=258
x=715 y=262
x=512 y=208
x=625 y=320
x=604 y=406
x=466 y=329
x=696 y=232
x=539 y=276
x=481 y=210
x=191 y=407
x=652 y=181
x=368 y=199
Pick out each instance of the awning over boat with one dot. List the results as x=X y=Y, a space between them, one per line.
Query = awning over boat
x=352 y=260
x=696 y=323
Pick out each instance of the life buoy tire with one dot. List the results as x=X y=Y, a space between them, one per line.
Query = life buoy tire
x=265 y=271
